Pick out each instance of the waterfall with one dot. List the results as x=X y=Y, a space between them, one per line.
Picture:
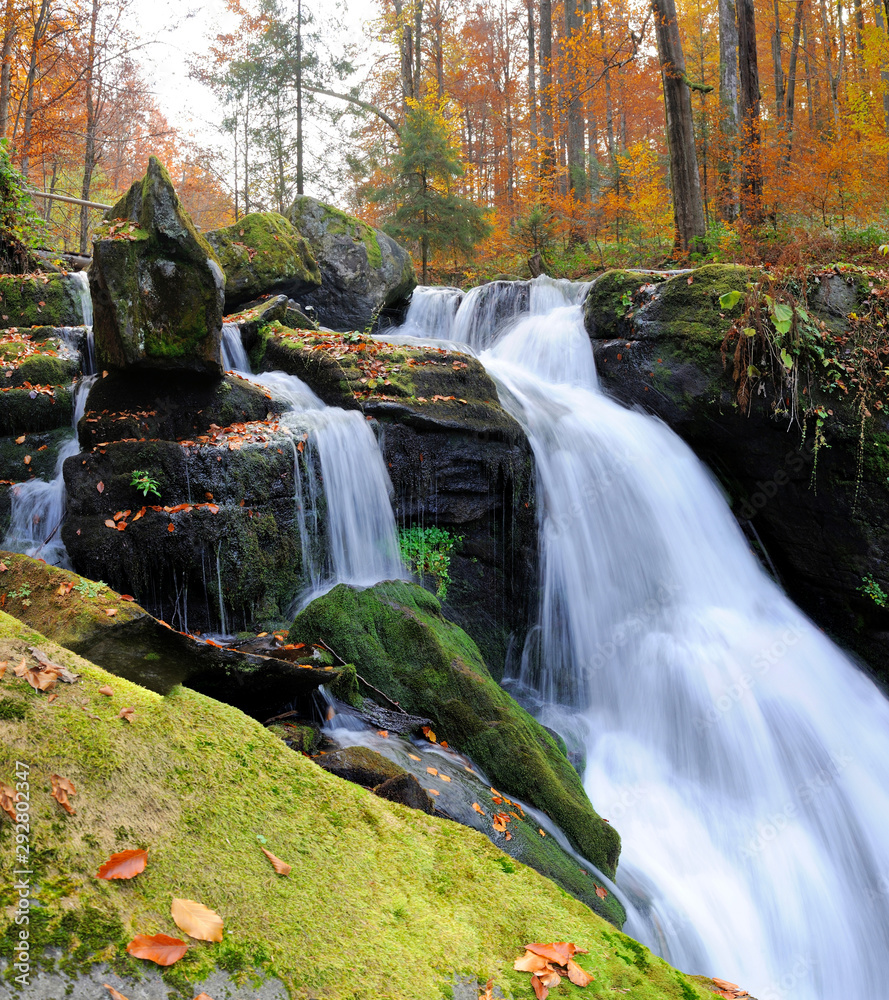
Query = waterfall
x=234 y=357
x=743 y=758
x=339 y=448
x=80 y=281
x=38 y=506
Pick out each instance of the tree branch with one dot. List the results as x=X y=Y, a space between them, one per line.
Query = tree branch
x=361 y=104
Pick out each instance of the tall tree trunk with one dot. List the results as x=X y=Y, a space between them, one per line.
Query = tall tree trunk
x=688 y=209
x=859 y=40
x=547 y=159
x=89 y=155
x=574 y=109
x=418 y=49
x=751 y=137
x=10 y=30
x=300 y=178
x=609 y=105
x=726 y=198
x=790 y=97
x=40 y=26
x=882 y=23
x=827 y=41
x=438 y=47
x=406 y=49
x=532 y=76
x=812 y=97
x=777 y=61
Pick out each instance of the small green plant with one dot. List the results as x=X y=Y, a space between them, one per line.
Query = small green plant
x=90 y=588
x=870 y=588
x=23 y=594
x=427 y=552
x=145 y=483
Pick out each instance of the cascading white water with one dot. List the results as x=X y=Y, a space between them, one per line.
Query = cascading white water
x=81 y=283
x=741 y=755
x=362 y=542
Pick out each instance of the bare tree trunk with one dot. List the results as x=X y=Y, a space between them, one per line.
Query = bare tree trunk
x=532 y=76
x=827 y=40
x=418 y=49
x=10 y=30
x=751 y=138
x=609 y=106
x=89 y=155
x=406 y=49
x=859 y=42
x=574 y=130
x=777 y=58
x=300 y=169
x=688 y=209
x=547 y=159
x=882 y=22
x=812 y=96
x=790 y=97
x=40 y=26
x=726 y=198
x=438 y=46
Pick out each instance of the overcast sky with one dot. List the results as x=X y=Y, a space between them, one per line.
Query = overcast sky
x=184 y=31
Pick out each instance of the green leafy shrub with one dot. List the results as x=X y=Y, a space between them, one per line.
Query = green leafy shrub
x=144 y=482
x=427 y=552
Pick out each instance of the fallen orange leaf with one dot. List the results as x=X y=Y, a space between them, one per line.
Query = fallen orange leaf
x=126 y=713
x=384 y=733
x=433 y=791
x=8 y=799
x=281 y=867
x=160 y=949
x=61 y=789
x=557 y=951
x=114 y=994
x=124 y=865
x=106 y=690
x=431 y=770
x=540 y=991
x=478 y=808
x=197 y=920
x=529 y=962
x=577 y=975
x=602 y=892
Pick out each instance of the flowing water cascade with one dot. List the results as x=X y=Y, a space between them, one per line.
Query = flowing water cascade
x=743 y=758
x=338 y=448
x=38 y=507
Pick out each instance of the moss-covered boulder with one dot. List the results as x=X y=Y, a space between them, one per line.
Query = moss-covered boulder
x=156 y=284
x=28 y=300
x=363 y=271
x=262 y=254
x=202 y=788
x=400 y=642
x=456 y=458
x=811 y=494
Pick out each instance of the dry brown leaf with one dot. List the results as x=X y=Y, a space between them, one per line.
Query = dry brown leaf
x=111 y=612
x=160 y=949
x=42 y=680
x=601 y=891
x=444 y=777
x=127 y=714
x=427 y=732
x=577 y=975
x=8 y=799
x=107 y=690
x=411 y=755
x=541 y=832
x=384 y=733
x=64 y=674
x=433 y=791
x=3 y=667
x=431 y=770
x=100 y=487
x=529 y=962
x=557 y=951
x=197 y=920
x=723 y=984
x=21 y=668
x=550 y=977
x=540 y=991
x=203 y=996
x=281 y=867
x=61 y=789
x=124 y=865
x=478 y=808
x=114 y=993
x=20 y=440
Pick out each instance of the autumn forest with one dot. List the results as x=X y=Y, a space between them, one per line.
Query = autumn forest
x=592 y=132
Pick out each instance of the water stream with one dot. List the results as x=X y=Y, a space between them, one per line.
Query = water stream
x=337 y=447
x=741 y=755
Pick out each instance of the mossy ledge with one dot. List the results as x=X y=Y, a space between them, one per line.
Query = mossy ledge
x=197 y=783
x=400 y=642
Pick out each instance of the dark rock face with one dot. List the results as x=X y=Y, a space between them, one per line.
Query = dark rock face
x=406 y=790
x=362 y=270
x=156 y=284
x=457 y=460
x=822 y=518
x=361 y=766
x=262 y=254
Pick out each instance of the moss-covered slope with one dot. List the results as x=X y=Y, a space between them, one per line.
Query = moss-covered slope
x=400 y=643
x=382 y=901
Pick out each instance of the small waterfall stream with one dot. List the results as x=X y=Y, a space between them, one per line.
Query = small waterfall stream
x=339 y=447
x=740 y=754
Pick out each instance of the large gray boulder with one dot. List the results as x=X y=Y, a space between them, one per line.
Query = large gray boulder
x=157 y=285
x=362 y=269
x=262 y=254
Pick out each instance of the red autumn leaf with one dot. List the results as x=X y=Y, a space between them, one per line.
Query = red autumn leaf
x=109 y=523
x=540 y=991
x=126 y=714
x=213 y=508
x=723 y=984
x=126 y=597
x=107 y=690
x=550 y=977
x=100 y=487
x=384 y=733
x=281 y=867
x=529 y=962
x=160 y=949
x=111 y=612
x=577 y=975
x=171 y=526
x=427 y=732
x=433 y=791
x=557 y=951
x=431 y=770
x=478 y=808
x=3 y=567
x=124 y=865
x=601 y=891
x=27 y=459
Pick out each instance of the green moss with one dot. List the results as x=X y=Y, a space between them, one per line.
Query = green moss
x=20 y=412
x=688 y=304
x=611 y=301
x=38 y=300
x=44 y=369
x=12 y=710
x=339 y=223
x=196 y=782
x=400 y=643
